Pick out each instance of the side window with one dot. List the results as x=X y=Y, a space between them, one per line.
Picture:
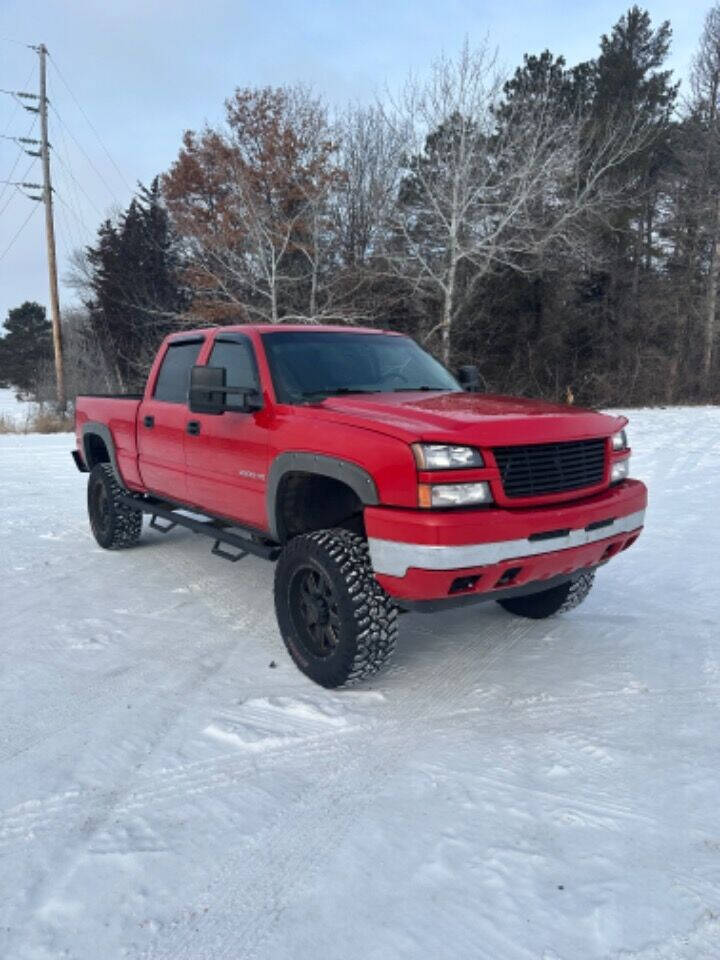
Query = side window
x=239 y=361
x=173 y=382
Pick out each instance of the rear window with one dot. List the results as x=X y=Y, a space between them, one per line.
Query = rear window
x=239 y=361
x=173 y=382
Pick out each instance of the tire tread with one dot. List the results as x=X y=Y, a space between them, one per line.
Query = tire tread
x=374 y=615
x=548 y=603
x=127 y=523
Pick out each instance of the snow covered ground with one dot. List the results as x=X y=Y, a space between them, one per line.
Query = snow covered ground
x=507 y=790
x=12 y=409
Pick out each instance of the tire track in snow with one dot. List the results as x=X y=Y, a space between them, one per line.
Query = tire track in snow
x=219 y=773
x=203 y=776
x=92 y=810
x=23 y=821
x=290 y=850
x=56 y=719
x=99 y=807
x=699 y=943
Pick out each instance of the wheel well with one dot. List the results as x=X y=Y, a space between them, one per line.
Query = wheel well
x=310 y=501
x=95 y=450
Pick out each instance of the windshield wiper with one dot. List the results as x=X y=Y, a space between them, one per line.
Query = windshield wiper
x=334 y=392
x=423 y=387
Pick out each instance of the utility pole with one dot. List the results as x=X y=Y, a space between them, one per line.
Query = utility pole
x=50 y=234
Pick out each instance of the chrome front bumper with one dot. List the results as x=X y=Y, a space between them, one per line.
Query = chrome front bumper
x=394 y=558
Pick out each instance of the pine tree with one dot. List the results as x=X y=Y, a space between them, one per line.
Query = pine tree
x=26 y=346
x=136 y=292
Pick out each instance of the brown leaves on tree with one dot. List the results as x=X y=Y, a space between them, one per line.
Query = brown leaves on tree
x=252 y=202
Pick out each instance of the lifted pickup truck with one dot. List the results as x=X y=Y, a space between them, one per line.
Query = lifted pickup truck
x=356 y=460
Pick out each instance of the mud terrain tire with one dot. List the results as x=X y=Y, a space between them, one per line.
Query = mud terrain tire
x=337 y=622
x=558 y=599
x=114 y=525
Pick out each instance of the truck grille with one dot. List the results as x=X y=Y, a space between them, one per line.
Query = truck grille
x=539 y=469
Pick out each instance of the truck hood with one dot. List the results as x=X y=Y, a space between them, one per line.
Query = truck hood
x=466 y=418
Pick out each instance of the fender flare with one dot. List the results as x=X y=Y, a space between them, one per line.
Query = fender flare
x=353 y=476
x=92 y=428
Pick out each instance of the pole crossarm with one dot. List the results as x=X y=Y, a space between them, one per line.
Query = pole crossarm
x=5 y=136
x=23 y=140
x=21 y=93
x=22 y=183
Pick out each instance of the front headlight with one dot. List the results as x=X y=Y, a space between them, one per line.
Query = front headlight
x=619 y=440
x=438 y=456
x=620 y=470
x=454 y=494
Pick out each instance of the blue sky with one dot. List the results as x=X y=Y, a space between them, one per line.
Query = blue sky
x=145 y=71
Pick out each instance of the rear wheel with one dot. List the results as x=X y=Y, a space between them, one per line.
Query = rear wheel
x=114 y=525
x=337 y=622
x=558 y=599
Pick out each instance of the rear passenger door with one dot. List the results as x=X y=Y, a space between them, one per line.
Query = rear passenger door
x=162 y=421
x=227 y=456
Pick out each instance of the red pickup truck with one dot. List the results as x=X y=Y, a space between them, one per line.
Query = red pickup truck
x=363 y=467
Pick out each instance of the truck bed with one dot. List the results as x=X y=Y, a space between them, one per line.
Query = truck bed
x=114 y=396
x=119 y=414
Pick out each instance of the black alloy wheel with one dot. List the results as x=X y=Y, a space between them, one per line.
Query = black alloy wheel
x=337 y=622
x=315 y=611
x=114 y=524
x=99 y=509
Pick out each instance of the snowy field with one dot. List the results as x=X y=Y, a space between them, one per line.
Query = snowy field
x=507 y=790
x=11 y=409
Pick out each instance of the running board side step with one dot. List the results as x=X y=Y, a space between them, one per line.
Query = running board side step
x=217 y=529
x=217 y=551
x=162 y=527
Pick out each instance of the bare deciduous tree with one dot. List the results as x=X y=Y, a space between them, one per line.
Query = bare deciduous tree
x=705 y=83
x=481 y=194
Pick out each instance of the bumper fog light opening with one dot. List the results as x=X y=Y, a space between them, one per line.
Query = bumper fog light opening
x=507 y=577
x=464 y=584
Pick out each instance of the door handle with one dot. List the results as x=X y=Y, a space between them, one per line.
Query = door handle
x=149 y=421
x=193 y=427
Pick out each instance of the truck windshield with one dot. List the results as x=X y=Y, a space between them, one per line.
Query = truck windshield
x=307 y=366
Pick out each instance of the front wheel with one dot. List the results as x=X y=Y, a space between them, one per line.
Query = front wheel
x=558 y=599
x=114 y=525
x=337 y=622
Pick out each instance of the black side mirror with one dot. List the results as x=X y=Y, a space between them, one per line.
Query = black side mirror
x=207 y=389
x=209 y=393
x=249 y=400
x=469 y=378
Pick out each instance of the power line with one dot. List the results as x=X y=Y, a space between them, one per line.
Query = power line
x=23 y=178
x=90 y=124
x=82 y=226
x=17 y=101
x=19 y=43
x=85 y=154
x=68 y=239
x=18 y=104
x=69 y=172
x=25 y=222
x=63 y=154
x=18 y=158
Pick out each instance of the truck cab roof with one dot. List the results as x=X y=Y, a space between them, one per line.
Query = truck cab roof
x=262 y=328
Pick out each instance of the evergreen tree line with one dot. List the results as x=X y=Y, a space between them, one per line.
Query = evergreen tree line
x=559 y=227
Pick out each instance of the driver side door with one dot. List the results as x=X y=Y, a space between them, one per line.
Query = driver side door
x=226 y=454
